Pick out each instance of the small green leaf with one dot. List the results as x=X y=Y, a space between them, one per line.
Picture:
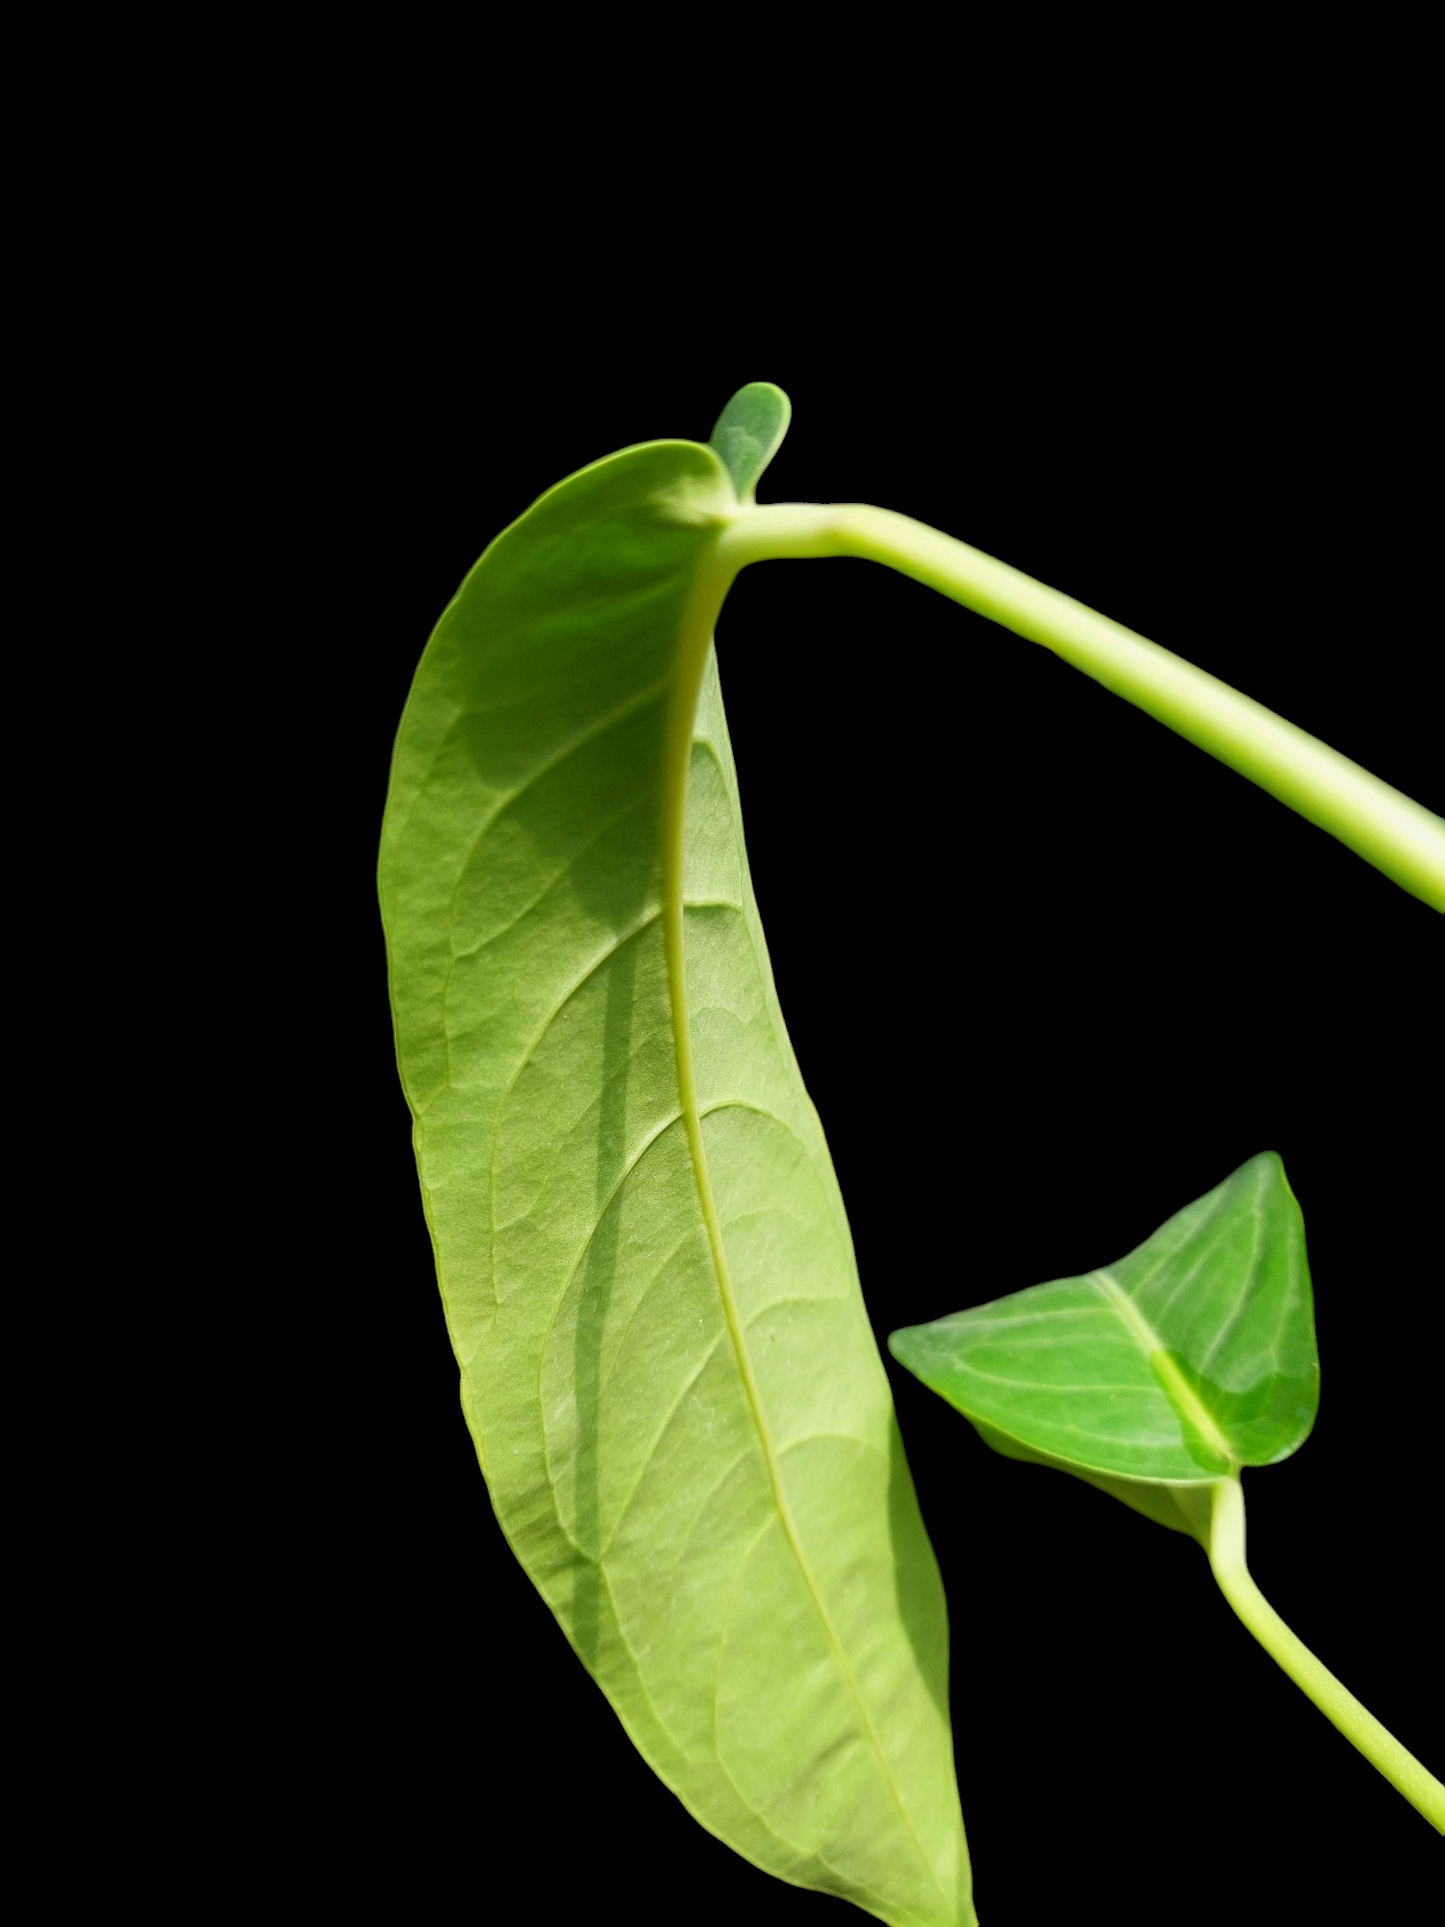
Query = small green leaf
x=749 y=433
x=1193 y=1356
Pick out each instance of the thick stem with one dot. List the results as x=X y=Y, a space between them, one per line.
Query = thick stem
x=1341 y=1708
x=1390 y=831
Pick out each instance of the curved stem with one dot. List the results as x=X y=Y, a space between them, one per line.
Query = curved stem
x=1341 y=1708
x=1380 y=824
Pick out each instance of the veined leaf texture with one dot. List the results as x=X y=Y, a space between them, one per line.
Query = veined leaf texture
x=667 y=1368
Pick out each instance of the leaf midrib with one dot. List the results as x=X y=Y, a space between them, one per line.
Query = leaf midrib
x=1180 y=1393
x=694 y=641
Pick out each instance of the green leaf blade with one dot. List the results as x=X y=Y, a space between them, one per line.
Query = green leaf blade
x=1192 y=1356
x=1055 y=1367
x=667 y=1368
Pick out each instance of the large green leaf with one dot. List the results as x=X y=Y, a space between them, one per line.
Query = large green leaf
x=1188 y=1359
x=666 y=1365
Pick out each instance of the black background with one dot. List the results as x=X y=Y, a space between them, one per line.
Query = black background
x=1050 y=973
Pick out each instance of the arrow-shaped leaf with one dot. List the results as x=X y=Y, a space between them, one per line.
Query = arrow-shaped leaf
x=1188 y=1359
x=1158 y=1379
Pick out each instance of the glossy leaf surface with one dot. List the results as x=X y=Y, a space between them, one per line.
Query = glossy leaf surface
x=1189 y=1358
x=666 y=1365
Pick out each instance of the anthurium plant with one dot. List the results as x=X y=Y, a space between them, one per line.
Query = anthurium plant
x=667 y=1369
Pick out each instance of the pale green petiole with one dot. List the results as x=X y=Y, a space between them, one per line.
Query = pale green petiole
x=1341 y=1708
x=1386 y=828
